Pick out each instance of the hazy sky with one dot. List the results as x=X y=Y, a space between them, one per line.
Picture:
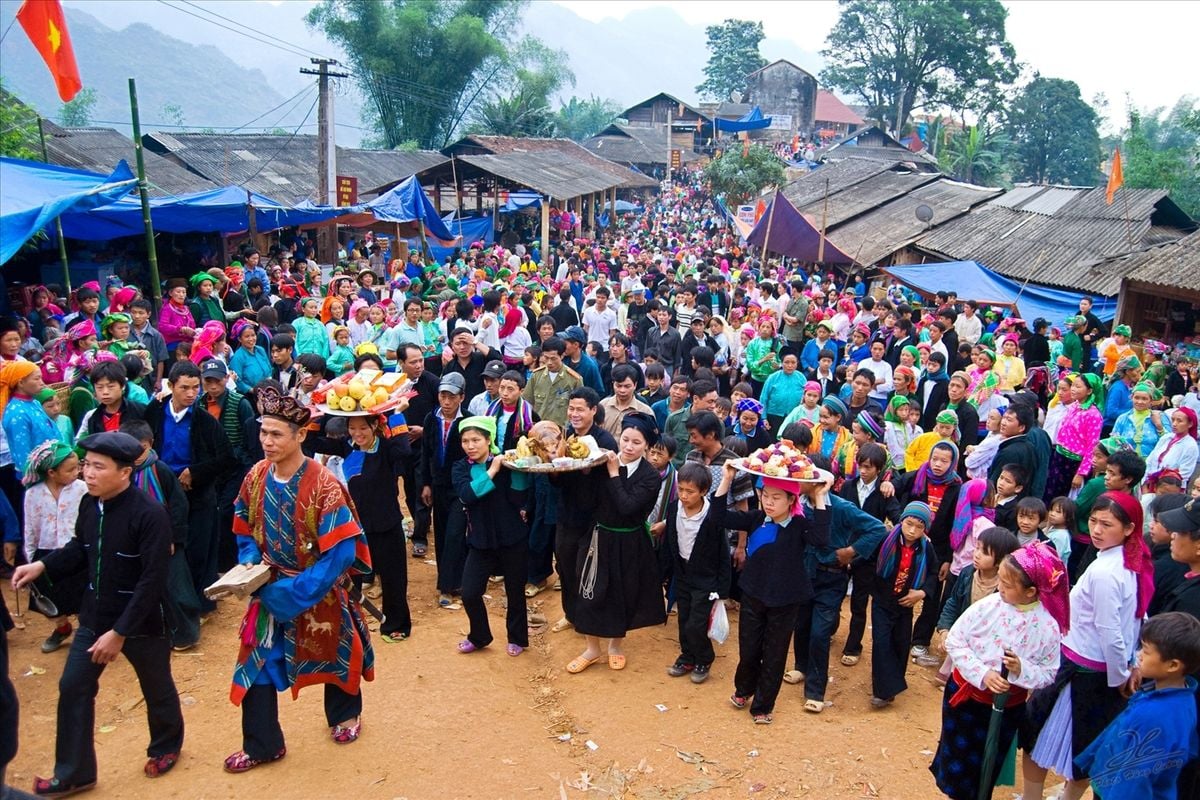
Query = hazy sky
x=1146 y=49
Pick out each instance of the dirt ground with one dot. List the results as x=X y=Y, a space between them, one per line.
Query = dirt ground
x=440 y=724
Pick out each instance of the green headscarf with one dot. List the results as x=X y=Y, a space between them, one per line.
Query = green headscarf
x=1096 y=398
x=893 y=406
x=912 y=351
x=1149 y=388
x=110 y=319
x=1123 y=330
x=485 y=424
x=201 y=277
x=946 y=417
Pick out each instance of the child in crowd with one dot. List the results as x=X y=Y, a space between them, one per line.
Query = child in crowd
x=52 y=495
x=497 y=506
x=866 y=428
x=1060 y=524
x=1168 y=572
x=901 y=429
x=654 y=389
x=945 y=429
x=974 y=512
x=311 y=336
x=1005 y=643
x=772 y=588
x=1009 y=485
x=906 y=574
x=1031 y=518
x=978 y=458
x=108 y=383
x=52 y=405
x=341 y=356
x=809 y=409
x=695 y=554
x=1166 y=706
x=660 y=457
x=1122 y=472
x=135 y=367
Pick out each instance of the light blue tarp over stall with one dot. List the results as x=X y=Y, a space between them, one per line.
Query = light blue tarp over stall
x=973 y=281
x=518 y=200
x=473 y=229
x=406 y=202
x=32 y=194
x=224 y=210
x=625 y=207
x=752 y=120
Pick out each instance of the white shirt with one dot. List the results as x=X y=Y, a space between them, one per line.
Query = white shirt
x=969 y=329
x=687 y=528
x=865 y=489
x=1104 y=627
x=599 y=325
x=882 y=370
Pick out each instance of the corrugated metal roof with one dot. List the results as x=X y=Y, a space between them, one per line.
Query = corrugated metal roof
x=376 y=167
x=99 y=150
x=1051 y=200
x=879 y=233
x=565 y=149
x=1173 y=266
x=548 y=173
x=865 y=195
x=840 y=175
x=631 y=144
x=1013 y=198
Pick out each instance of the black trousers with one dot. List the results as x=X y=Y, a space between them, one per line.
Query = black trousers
x=693 y=610
x=262 y=737
x=227 y=492
x=419 y=512
x=568 y=541
x=922 y=632
x=75 y=750
x=9 y=709
x=862 y=574
x=203 y=543
x=390 y=563
x=764 y=633
x=507 y=561
x=449 y=539
x=816 y=624
x=891 y=637
x=541 y=530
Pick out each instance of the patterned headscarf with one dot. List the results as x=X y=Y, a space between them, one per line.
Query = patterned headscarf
x=968 y=509
x=42 y=459
x=835 y=405
x=888 y=562
x=113 y=318
x=750 y=404
x=926 y=475
x=1041 y=564
x=869 y=424
x=893 y=406
x=1096 y=398
x=235 y=331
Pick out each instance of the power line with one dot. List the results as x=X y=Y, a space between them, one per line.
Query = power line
x=235 y=22
x=284 y=145
x=303 y=91
x=285 y=48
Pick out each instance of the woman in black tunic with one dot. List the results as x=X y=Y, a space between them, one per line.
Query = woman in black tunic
x=620 y=588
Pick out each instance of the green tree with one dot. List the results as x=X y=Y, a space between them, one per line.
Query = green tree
x=741 y=177
x=172 y=113
x=911 y=54
x=422 y=65
x=732 y=55
x=1055 y=134
x=976 y=155
x=78 y=112
x=536 y=72
x=18 y=128
x=580 y=119
x=1161 y=150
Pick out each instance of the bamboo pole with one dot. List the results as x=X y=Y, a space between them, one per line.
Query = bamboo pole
x=62 y=245
x=143 y=193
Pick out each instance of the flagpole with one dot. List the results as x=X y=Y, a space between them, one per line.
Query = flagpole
x=143 y=193
x=62 y=245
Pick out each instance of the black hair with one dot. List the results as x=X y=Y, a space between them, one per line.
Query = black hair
x=619 y=338
x=701 y=387
x=999 y=542
x=364 y=358
x=865 y=373
x=491 y=300
x=412 y=301
x=704 y=374
x=516 y=377
x=402 y=350
x=667 y=442
x=109 y=371
x=1019 y=474
x=696 y=474
x=86 y=293
x=937 y=356
x=133 y=365
x=827 y=353
x=704 y=356
x=183 y=369
x=283 y=341
x=138 y=429
x=586 y=394
x=624 y=372
x=1032 y=505
x=1069 y=510
x=656 y=370
x=546 y=319
x=554 y=345
x=143 y=304
x=313 y=364
x=1131 y=466
x=1176 y=637
x=873 y=454
x=1025 y=415
x=744 y=388
x=798 y=434
x=1106 y=503
x=706 y=424
x=737 y=445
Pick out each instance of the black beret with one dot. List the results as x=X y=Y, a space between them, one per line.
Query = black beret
x=114 y=444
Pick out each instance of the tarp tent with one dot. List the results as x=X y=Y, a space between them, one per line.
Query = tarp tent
x=792 y=235
x=405 y=205
x=625 y=207
x=973 y=281
x=752 y=120
x=471 y=229
x=225 y=210
x=33 y=194
x=519 y=200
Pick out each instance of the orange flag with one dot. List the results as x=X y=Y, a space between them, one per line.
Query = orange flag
x=1116 y=177
x=46 y=27
x=746 y=148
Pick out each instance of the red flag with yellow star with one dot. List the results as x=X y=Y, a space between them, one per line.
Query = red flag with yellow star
x=46 y=27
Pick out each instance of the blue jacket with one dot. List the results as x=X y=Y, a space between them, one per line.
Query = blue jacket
x=849 y=526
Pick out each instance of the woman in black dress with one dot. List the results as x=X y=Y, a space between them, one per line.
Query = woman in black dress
x=620 y=588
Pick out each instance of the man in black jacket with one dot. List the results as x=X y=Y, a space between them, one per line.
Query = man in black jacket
x=236 y=417
x=425 y=384
x=194 y=445
x=1016 y=448
x=468 y=358
x=123 y=541
x=440 y=448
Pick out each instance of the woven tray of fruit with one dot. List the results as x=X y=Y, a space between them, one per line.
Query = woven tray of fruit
x=545 y=449
x=361 y=394
x=783 y=461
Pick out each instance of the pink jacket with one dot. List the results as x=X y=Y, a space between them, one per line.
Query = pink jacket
x=1080 y=433
x=171 y=319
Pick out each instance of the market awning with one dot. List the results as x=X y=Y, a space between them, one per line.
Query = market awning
x=752 y=120
x=32 y=194
x=405 y=205
x=784 y=230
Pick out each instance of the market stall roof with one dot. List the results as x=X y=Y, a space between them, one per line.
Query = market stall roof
x=973 y=280
x=33 y=194
x=752 y=120
x=547 y=172
x=635 y=144
x=792 y=235
x=99 y=150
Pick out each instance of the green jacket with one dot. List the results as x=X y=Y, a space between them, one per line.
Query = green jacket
x=549 y=398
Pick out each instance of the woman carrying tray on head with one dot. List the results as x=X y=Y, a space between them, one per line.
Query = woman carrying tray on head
x=620 y=588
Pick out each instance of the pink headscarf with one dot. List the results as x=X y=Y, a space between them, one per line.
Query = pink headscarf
x=1043 y=566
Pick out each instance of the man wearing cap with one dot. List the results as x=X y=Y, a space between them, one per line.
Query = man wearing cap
x=123 y=542
x=236 y=418
x=574 y=339
x=194 y=445
x=440 y=448
x=467 y=357
x=491 y=389
x=302 y=627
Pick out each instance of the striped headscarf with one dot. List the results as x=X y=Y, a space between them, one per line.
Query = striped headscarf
x=869 y=424
x=42 y=459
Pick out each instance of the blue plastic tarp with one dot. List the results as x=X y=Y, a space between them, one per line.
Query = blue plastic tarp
x=784 y=230
x=973 y=281
x=406 y=202
x=473 y=229
x=518 y=200
x=752 y=120
x=33 y=194
x=626 y=207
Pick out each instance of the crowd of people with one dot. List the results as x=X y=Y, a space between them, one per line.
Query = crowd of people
x=1012 y=504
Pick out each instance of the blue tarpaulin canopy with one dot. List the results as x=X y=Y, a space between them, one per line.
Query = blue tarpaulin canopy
x=783 y=229
x=472 y=229
x=518 y=200
x=973 y=281
x=33 y=194
x=403 y=204
x=225 y=210
x=625 y=207
x=752 y=120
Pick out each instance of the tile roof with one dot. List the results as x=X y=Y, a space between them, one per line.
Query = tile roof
x=633 y=144
x=100 y=149
x=831 y=109
x=548 y=172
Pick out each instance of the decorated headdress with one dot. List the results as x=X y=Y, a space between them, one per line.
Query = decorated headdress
x=1040 y=562
x=273 y=403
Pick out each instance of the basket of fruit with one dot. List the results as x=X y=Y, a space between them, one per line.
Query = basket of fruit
x=546 y=449
x=360 y=394
x=781 y=461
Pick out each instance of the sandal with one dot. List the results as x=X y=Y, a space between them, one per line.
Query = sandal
x=762 y=719
x=345 y=734
x=514 y=649
x=467 y=646
x=240 y=762
x=534 y=589
x=394 y=637
x=419 y=550
x=814 y=706
x=579 y=664
x=562 y=625
x=849 y=660
x=616 y=661
x=793 y=676
x=738 y=700
x=160 y=765
x=53 y=787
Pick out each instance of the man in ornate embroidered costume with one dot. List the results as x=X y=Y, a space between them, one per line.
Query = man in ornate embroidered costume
x=303 y=627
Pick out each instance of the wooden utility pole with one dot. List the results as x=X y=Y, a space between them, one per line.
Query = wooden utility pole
x=143 y=193
x=326 y=154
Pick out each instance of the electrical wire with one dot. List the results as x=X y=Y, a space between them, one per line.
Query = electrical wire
x=298 y=94
x=284 y=145
x=285 y=48
x=283 y=42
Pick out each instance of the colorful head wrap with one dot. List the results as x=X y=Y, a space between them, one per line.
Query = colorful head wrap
x=235 y=330
x=1096 y=384
x=926 y=475
x=893 y=406
x=812 y=386
x=1191 y=418
x=1113 y=444
x=869 y=424
x=991 y=354
x=1041 y=564
x=752 y=405
x=912 y=351
x=82 y=330
x=111 y=319
x=1135 y=553
x=917 y=510
x=42 y=459
x=1123 y=330
x=946 y=417
x=90 y=358
x=201 y=277
x=836 y=406
x=366 y=347
x=906 y=372
x=124 y=296
x=1127 y=363
x=968 y=508
x=12 y=373
x=1149 y=388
